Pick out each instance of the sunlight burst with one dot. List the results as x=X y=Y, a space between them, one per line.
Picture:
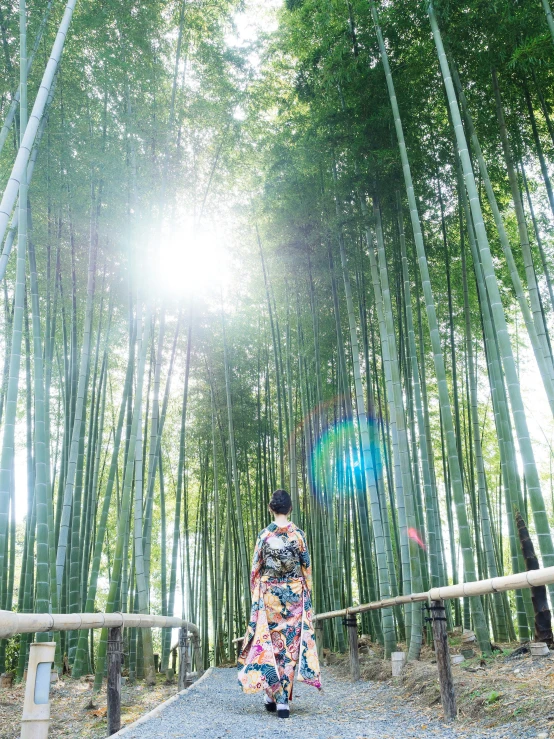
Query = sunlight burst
x=193 y=261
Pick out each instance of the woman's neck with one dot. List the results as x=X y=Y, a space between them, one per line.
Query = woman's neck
x=281 y=520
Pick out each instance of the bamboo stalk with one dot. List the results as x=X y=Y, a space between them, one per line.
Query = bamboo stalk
x=12 y=187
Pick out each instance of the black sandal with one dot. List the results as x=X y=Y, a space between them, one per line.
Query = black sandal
x=283 y=712
x=271 y=707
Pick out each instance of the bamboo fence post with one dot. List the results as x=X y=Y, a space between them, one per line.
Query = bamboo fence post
x=183 y=657
x=114 y=679
x=351 y=624
x=318 y=627
x=448 y=696
x=197 y=653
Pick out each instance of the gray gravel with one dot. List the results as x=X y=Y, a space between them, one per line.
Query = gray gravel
x=217 y=709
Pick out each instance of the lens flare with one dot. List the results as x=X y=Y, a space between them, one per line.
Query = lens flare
x=336 y=461
x=414 y=536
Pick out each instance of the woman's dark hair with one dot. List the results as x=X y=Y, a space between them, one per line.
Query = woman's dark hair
x=280 y=502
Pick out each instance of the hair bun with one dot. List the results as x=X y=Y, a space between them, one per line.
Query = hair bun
x=280 y=502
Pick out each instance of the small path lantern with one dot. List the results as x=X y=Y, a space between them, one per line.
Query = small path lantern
x=35 y=721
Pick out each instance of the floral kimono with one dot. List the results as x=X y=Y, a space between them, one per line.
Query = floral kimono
x=280 y=636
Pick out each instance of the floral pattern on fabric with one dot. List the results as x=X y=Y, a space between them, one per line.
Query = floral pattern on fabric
x=280 y=636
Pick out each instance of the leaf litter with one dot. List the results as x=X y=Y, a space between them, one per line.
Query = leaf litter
x=70 y=716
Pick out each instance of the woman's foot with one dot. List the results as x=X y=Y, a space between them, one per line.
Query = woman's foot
x=283 y=710
x=269 y=705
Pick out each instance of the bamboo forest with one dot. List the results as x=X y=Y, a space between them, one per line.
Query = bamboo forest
x=253 y=245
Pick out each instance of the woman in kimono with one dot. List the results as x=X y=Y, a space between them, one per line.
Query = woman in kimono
x=280 y=636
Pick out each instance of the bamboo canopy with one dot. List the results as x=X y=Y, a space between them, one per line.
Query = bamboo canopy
x=531 y=579
x=28 y=623
x=207 y=294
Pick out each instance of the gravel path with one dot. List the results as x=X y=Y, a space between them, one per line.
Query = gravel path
x=217 y=709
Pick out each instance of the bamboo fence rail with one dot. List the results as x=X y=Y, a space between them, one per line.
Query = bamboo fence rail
x=530 y=579
x=36 y=716
x=435 y=599
x=28 y=623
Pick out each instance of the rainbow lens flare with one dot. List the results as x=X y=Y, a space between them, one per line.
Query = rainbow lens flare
x=336 y=460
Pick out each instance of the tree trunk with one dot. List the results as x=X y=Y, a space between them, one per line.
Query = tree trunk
x=543 y=617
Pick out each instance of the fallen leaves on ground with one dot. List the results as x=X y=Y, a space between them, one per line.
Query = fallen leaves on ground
x=490 y=692
x=69 y=701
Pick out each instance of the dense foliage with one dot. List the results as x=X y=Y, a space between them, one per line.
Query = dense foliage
x=316 y=256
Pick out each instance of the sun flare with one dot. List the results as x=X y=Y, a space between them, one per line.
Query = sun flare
x=193 y=260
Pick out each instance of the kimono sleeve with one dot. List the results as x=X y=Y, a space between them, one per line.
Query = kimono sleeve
x=305 y=562
x=257 y=562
